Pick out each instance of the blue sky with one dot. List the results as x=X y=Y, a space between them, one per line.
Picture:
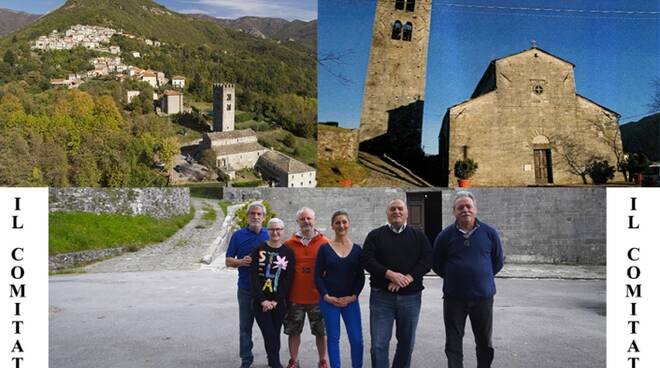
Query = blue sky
x=287 y=9
x=615 y=46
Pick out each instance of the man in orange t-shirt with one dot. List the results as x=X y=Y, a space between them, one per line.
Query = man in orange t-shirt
x=303 y=296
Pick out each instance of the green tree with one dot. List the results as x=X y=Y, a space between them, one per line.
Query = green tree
x=167 y=151
x=9 y=57
x=107 y=113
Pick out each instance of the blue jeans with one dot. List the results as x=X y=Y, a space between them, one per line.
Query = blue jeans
x=353 y=323
x=385 y=309
x=245 y=323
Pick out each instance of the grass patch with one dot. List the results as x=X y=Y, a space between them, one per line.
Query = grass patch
x=257 y=126
x=330 y=173
x=248 y=183
x=208 y=190
x=209 y=214
x=224 y=204
x=78 y=231
x=302 y=149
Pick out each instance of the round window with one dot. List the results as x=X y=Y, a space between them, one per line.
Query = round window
x=538 y=89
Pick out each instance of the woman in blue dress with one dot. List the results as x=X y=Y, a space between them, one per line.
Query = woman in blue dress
x=339 y=278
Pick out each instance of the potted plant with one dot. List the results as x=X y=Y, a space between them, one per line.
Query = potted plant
x=464 y=170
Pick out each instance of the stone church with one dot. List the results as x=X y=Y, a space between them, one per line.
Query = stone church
x=525 y=124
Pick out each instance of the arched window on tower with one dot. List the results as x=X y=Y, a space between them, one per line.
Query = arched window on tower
x=396 y=30
x=398 y=4
x=407 y=31
x=410 y=5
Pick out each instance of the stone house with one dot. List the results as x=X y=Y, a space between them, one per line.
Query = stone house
x=171 y=102
x=178 y=81
x=284 y=171
x=150 y=77
x=525 y=123
x=234 y=150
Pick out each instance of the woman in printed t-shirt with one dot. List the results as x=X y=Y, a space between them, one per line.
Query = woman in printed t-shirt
x=271 y=274
x=339 y=278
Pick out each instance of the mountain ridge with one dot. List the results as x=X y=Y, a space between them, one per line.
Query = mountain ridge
x=13 y=20
x=269 y=27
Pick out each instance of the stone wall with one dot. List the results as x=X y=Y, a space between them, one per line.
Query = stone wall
x=337 y=144
x=537 y=225
x=155 y=202
x=365 y=206
x=543 y=225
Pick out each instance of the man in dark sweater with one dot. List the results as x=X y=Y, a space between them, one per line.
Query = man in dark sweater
x=397 y=257
x=467 y=255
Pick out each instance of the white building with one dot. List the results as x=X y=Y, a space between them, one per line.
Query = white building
x=130 y=95
x=178 y=81
x=150 y=77
x=171 y=102
x=284 y=171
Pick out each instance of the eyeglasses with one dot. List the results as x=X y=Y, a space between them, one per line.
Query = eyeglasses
x=276 y=229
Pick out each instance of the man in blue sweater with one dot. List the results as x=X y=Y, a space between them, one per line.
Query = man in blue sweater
x=467 y=254
x=241 y=244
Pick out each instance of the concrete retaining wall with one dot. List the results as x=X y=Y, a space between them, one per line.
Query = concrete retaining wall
x=156 y=202
x=537 y=225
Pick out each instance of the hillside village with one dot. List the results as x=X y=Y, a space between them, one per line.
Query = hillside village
x=97 y=39
x=93 y=92
x=234 y=150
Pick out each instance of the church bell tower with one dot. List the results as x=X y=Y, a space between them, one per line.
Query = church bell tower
x=394 y=86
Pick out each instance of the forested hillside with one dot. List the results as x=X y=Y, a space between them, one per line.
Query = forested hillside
x=92 y=136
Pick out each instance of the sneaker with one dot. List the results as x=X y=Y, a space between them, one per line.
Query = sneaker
x=323 y=363
x=293 y=364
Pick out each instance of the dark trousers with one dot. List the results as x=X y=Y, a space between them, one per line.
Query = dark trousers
x=480 y=312
x=270 y=324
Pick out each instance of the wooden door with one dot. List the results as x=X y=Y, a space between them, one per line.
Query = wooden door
x=541 y=166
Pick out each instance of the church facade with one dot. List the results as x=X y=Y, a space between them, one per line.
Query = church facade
x=525 y=124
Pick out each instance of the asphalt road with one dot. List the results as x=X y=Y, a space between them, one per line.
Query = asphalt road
x=185 y=319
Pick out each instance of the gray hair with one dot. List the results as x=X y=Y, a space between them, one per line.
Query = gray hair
x=300 y=211
x=275 y=220
x=464 y=194
x=255 y=205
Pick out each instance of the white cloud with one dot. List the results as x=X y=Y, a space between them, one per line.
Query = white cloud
x=289 y=9
x=192 y=11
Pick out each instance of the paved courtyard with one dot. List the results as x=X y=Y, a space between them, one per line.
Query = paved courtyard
x=187 y=318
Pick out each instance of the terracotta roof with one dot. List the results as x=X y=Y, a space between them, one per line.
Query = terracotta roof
x=170 y=92
x=178 y=77
x=241 y=133
x=147 y=73
x=285 y=163
x=231 y=149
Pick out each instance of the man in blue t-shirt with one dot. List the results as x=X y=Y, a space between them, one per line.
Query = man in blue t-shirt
x=467 y=254
x=238 y=256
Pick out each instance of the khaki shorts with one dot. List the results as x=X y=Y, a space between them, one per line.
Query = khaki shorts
x=295 y=319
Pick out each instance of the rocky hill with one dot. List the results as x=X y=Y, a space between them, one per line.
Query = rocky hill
x=12 y=20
